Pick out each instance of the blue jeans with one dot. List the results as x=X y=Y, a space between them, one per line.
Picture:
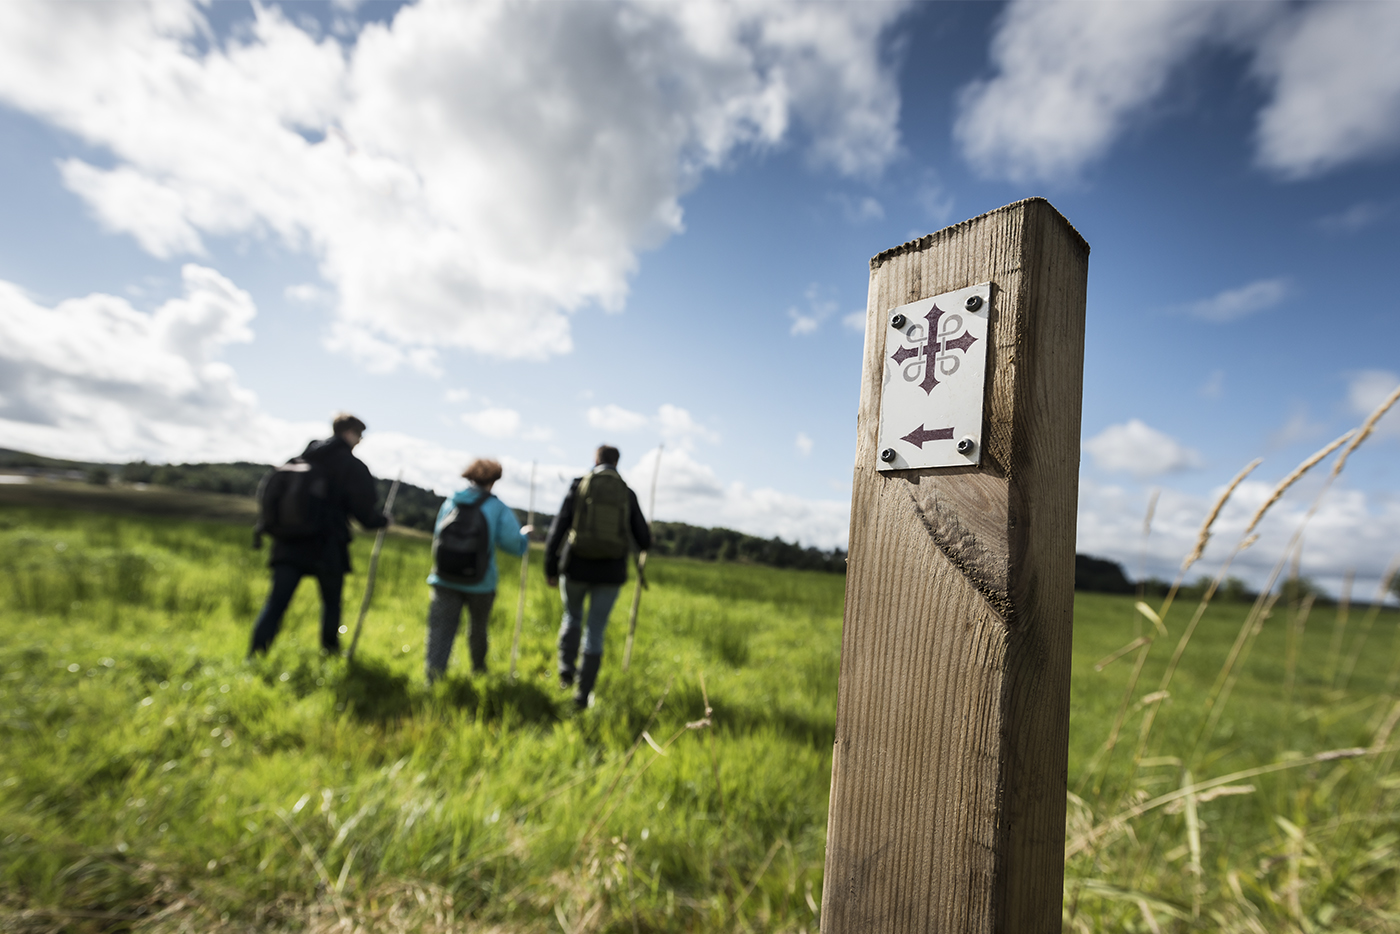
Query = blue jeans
x=601 y=598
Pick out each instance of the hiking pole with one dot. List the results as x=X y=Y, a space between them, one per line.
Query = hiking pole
x=524 y=570
x=373 y=567
x=641 y=569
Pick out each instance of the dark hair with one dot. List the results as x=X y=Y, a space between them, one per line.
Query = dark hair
x=483 y=472
x=608 y=455
x=344 y=421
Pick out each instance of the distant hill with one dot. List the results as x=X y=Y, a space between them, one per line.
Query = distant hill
x=416 y=508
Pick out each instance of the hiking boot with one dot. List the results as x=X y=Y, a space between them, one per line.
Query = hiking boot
x=568 y=657
x=587 y=676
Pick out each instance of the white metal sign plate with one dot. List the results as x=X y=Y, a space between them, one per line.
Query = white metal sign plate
x=935 y=380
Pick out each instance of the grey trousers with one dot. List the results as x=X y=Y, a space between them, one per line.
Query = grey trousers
x=445 y=618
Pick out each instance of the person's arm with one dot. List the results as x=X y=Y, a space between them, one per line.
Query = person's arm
x=362 y=498
x=558 y=530
x=510 y=537
x=641 y=531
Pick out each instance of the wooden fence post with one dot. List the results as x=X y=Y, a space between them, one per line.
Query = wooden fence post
x=948 y=774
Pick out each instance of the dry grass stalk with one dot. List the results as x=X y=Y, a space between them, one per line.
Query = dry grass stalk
x=1119 y=822
x=1203 y=537
x=1366 y=428
x=1293 y=478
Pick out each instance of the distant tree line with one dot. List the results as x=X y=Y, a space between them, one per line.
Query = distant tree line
x=416 y=507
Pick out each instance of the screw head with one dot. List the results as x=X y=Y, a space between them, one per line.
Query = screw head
x=898 y=322
x=887 y=455
x=973 y=302
x=965 y=445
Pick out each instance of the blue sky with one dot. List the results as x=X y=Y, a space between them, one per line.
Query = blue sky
x=519 y=230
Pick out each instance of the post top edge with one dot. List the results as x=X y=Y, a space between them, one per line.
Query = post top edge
x=924 y=242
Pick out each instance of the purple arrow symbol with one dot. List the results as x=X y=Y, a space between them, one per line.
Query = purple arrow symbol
x=919 y=435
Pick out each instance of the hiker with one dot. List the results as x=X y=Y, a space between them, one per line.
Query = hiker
x=586 y=557
x=470 y=526
x=325 y=487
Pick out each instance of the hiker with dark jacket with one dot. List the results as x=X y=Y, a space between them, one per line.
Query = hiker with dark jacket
x=470 y=526
x=340 y=486
x=586 y=557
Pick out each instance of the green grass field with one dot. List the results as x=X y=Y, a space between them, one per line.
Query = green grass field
x=152 y=780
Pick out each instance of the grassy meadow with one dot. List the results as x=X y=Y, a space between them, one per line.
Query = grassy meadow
x=151 y=779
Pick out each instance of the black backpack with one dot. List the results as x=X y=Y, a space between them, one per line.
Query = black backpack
x=292 y=502
x=462 y=545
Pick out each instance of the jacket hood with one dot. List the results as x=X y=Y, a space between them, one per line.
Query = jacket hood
x=321 y=450
x=469 y=494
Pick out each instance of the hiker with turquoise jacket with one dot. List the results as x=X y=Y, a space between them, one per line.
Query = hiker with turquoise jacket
x=470 y=526
x=585 y=555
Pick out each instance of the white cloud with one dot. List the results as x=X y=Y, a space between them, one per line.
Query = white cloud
x=1071 y=78
x=855 y=321
x=1233 y=304
x=803 y=444
x=820 y=306
x=1352 y=531
x=94 y=377
x=680 y=428
x=494 y=422
x=466 y=174
x=308 y=293
x=1140 y=450
x=803 y=324
x=1367 y=390
x=615 y=418
x=1336 y=80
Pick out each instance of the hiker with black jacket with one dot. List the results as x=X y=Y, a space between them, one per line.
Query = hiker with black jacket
x=586 y=557
x=470 y=526
x=314 y=498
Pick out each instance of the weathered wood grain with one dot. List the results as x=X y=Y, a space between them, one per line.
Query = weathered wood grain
x=948 y=774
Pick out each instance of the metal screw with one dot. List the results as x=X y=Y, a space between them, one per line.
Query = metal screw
x=887 y=455
x=973 y=302
x=965 y=445
x=898 y=322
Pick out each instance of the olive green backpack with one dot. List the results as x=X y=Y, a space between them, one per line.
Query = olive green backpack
x=601 y=507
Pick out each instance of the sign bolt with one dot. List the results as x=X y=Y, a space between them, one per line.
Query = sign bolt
x=965 y=445
x=898 y=322
x=887 y=455
x=973 y=303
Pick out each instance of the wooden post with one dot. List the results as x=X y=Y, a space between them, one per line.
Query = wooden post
x=948 y=773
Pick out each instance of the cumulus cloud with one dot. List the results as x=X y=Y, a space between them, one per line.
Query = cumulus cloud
x=1352 y=531
x=465 y=174
x=675 y=424
x=1336 y=82
x=803 y=444
x=95 y=377
x=690 y=491
x=1071 y=78
x=1140 y=450
x=1233 y=304
x=493 y=422
x=615 y=418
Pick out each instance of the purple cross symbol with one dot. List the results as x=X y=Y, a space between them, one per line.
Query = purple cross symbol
x=938 y=349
